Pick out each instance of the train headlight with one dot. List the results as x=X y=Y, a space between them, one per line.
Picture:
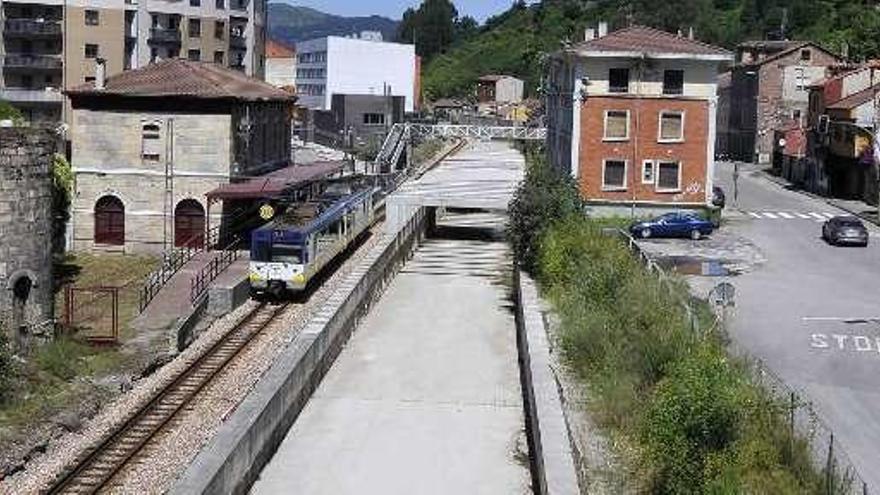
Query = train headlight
x=255 y=277
x=299 y=278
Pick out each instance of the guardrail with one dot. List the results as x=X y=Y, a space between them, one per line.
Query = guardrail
x=172 y=261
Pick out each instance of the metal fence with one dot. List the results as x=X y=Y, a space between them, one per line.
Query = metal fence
x=93 y=312
x=200 y=282
x=800 y=417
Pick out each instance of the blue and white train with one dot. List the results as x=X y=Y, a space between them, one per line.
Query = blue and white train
x=287 y=253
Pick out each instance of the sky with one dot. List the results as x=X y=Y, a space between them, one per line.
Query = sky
x=478 y=9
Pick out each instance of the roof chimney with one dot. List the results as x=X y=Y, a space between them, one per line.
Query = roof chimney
x=691 y=32
x=589 y=34
x=603 y=29
x=100 y=72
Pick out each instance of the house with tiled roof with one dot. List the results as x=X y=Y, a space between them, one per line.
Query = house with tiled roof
x=631 y=113
x=280 y=64
x=148 y=144
x=769 y=87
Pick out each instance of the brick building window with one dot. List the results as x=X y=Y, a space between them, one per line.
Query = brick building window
x=668 y=176
x=616 y=125
x=91 y=50
x=614 y=175
x=673 y=82
x=194 y=55
x=195 y=3
x=220 y=4
x=195 y=28
x=648 y=172
x=219 y=29
x=671 y=127
x=806 y=55
x=109 y=221
x=92 y=18
x=151 y=142
x=218 y=57
x=618 y=80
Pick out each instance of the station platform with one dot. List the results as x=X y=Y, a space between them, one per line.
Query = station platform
x=173 y=301
x=425 y=398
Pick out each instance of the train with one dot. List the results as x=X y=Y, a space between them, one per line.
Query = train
x=291 y=250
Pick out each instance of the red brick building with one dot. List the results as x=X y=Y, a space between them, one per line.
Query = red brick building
x=632 y=116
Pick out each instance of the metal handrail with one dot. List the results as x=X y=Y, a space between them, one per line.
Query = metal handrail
x=200 y=282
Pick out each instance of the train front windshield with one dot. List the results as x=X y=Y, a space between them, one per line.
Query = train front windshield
x=286 y=254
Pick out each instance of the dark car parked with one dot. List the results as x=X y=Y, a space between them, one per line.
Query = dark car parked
x=845 y=230
x=678 y=224
x=718 y=197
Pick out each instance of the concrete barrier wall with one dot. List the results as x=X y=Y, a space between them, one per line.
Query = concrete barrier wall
x=246 y=441
x=552 y=454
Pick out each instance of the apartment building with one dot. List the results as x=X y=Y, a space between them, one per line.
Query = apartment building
x=767 y=90
x=354 y=66
x=631 y=115
x=50 y=45
x=280 y=64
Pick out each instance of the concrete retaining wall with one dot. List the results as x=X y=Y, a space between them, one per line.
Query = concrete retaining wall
x=552 y=455
x=234 y=458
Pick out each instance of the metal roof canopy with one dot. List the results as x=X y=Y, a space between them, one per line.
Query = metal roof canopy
x=274 y=184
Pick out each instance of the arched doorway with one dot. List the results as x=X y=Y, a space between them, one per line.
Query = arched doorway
x=110 y=221
x=21 y=292
x=189 y=224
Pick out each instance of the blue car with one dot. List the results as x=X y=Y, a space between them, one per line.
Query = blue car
x=678 y=224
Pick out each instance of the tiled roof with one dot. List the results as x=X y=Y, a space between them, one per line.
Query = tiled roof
x=276 y=49
x=648 y=40
x=492 y=77
x=856 y=99
x=183 y=78
x=794 y=47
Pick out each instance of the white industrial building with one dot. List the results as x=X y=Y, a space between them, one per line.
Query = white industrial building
x=354 y=66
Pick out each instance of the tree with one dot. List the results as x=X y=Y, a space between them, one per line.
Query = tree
x=431 y=28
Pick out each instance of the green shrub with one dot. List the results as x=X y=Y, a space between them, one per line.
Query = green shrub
x=61 y=358
x=545 y=197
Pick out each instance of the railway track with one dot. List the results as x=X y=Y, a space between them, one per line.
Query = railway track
x=97 y=468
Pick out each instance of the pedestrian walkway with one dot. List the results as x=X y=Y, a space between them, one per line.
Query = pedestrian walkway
x=791 y=215
x=425 y=398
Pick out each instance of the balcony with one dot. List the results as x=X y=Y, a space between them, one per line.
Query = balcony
x=165 y=35
x=27 y=95
x=30 y=28
x=29 y=61
x=237 y=41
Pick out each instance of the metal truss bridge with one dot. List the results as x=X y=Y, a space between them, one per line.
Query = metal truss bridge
x=478 y=131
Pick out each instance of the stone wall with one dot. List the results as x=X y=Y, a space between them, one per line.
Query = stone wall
x=26 y=284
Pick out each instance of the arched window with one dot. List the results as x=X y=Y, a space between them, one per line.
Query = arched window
x=110 y=221
x=189 y=224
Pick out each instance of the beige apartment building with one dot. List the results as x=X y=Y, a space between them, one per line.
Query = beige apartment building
x=50 y=45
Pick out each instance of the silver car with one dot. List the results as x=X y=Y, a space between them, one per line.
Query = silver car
x=845 y=230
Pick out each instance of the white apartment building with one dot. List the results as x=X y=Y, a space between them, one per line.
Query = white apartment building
x=354 y=66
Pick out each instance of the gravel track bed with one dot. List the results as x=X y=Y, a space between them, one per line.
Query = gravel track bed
x=168 y=454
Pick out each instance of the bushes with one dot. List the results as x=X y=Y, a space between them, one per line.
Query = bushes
x=690 y=413
x=546 y=196
x=8 y=369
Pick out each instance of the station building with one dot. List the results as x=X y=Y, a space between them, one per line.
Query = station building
x=631 y=115
x=149 y=144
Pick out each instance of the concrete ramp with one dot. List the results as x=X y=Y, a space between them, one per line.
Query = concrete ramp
x=426 y=397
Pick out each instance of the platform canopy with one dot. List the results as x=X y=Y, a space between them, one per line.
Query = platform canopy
x=274 y=184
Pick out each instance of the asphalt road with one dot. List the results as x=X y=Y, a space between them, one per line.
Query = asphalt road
x=795 y=311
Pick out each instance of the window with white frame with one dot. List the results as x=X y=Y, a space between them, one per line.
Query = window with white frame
x=614 y=175
x=151 y=143
x=648 y=172
x=671 y=127
x=668 y=176
x=616 y=125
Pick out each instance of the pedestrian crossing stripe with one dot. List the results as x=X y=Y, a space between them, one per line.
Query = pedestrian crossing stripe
x=785 y=215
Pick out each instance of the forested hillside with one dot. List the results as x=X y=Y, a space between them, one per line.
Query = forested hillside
x=515 y=41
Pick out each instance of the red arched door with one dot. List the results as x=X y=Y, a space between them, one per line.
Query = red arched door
x=110 y=221
x=189 y=224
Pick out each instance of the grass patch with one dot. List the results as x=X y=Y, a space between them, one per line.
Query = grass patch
x=685 y=413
